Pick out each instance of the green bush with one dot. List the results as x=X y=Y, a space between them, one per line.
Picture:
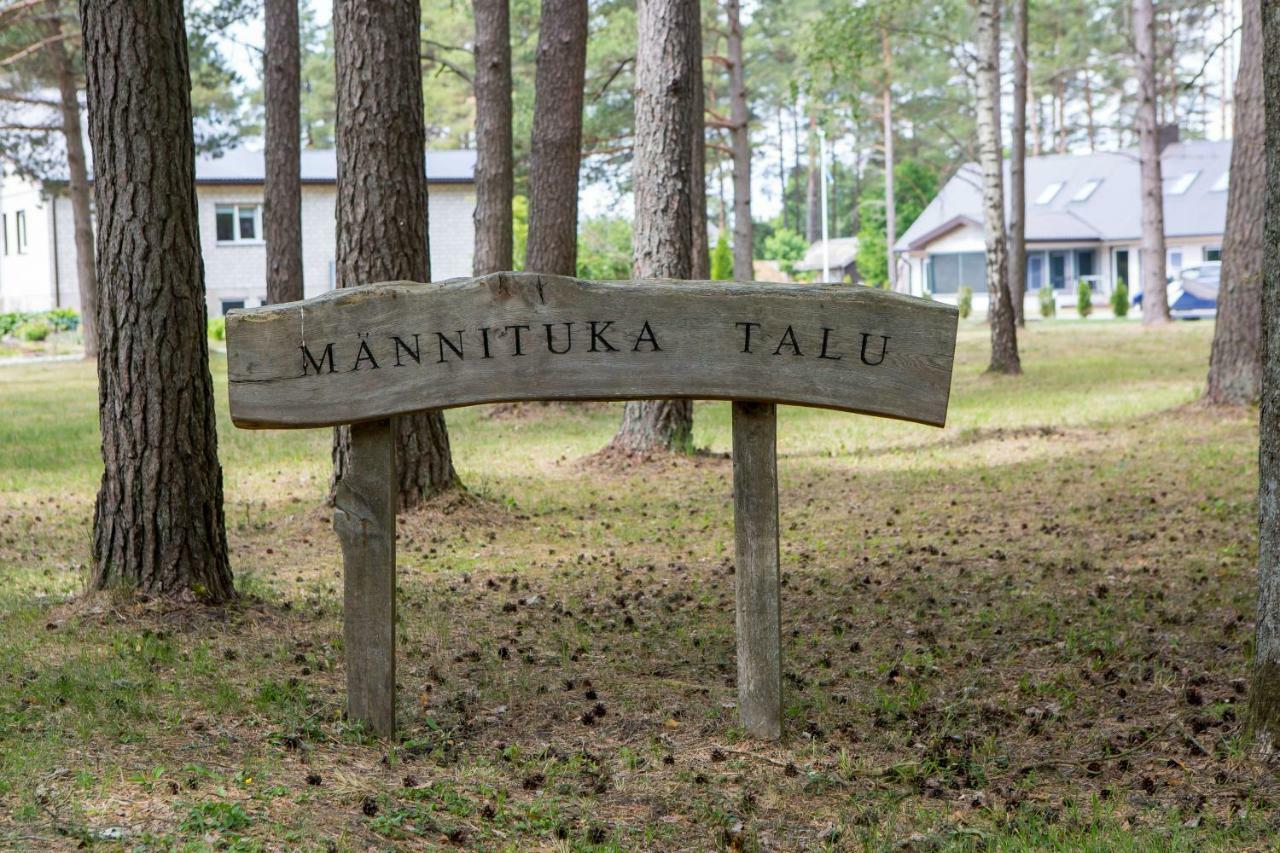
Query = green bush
x=1084 y=298
x=33 y=331
x=218 y=328
x=11 y=321
x=1120 y=299
x=63 y=319
x=1048 y=306
x=965 y=302
x=721 y=260
x=786 y=247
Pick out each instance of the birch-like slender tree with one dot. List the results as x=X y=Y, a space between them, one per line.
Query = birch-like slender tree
x=1004 y=330
x=1018 y=168
x=1235 y=366
x=1151 y=257
x=662 y=170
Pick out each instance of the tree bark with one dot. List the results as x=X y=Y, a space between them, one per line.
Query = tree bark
x=662 y=171
x=890 y=207
x=1264 y=688
x=1018 y=169
x=495 y=167
x=700 y=249
x=158 y=522
x=555 y=150
x=1004 y=332
x=77 y=186
x=382 y=200
x=1155 y=298
x=740 y=142
x=282 y=190
x=1235 y=367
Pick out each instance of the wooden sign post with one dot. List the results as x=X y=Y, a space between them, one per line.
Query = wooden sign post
x=364 y=355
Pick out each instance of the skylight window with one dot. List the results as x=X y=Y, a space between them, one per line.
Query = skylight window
x=1179 y=185
x=1087 y=189
x=1220 y=185
x=1048 y=193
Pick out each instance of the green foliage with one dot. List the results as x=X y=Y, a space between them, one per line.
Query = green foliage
x=216 y=816
x=34 y=331
x=1048 y=305
x=915 y=185
x=12 y=320
x=787 y=247
x=1084 y=298
x=63 y=319
x=218 y=328
x=722 y=259
x=965 y=302
x=604 y=248
x=519 y=229
x=1120 y=299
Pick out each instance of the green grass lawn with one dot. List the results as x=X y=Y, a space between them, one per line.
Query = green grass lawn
x=1029 y=630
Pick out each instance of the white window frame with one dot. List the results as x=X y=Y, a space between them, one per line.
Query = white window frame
x=1182 y=183
x=1049 y=193
x=1223 y=182
x=1087 y=189
x=4 y=226
x=20 y=230
x=235 y=208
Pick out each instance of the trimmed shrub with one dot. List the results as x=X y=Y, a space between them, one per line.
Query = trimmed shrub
x=33 y=331
x=1048 y=305
x=1084 y=298
x=11 y=321
x=1120 y=299
x=965 y=302
x=721 y=260
x=218 y=328
x=63 y=319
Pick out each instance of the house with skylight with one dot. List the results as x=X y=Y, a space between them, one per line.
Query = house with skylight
x=1084 y=223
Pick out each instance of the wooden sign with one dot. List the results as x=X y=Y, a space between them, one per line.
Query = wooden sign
x=364 y=355
x=387 y=349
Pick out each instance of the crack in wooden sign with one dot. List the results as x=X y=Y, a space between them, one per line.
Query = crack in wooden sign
x=364 y=355
x=388 y=349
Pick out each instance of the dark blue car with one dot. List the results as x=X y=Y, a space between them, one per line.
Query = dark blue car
x=1193 y=294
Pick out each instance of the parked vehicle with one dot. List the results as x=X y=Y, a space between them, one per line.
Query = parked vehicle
x=1193 y=293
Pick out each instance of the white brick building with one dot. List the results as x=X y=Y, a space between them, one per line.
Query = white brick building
x=37 y=252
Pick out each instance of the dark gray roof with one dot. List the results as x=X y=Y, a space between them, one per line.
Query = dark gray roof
x=1112 y=212
x=842 y=252
x=320 y=166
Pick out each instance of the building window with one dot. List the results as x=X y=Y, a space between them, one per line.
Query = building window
x=1213 y=253
x=20 y=230
x=1035 y=270
x=4 y=226
x=1175 y=260
x=1180 y=184
x=238 y=223
x=1220 y=185
x=1087 y=189
x=1048 y=193
x=950 y=272
x=230 y=304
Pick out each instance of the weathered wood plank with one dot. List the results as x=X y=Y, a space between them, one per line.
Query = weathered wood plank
x=364 y=518
x=371 y=352
x=759 y=613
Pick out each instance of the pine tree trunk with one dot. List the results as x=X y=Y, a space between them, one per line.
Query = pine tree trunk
x=158 y=523
x=740 y=142
x=886 y=117
x=282 y=190
x=555 y=150
x=495 y=165
x=1018 y=168
x=662 y=171
x=812 y=209
x=1235 y=367
x=382 y=200
x=77 y=187
x=1155 y=298
x=1264 y=688
x=1004 y=332
x=700 y=250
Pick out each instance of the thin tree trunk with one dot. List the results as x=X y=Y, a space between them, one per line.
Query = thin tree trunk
x=662 y=171
x=382 y=201
x=1061 y=103
x=782 y=171
x=282 y=191
x=1037 y=144
x=556 y=147
x=158 y=523
x=1235 y=367
x=1090 y=129
x=1155 y=298
x=812 y=211
x=740 y=142
x=495 y=167
x=1264 y=688
x=77 y=187
x=1004 y=331
x=1018 y=168
x=700 y=249
x=890 y=206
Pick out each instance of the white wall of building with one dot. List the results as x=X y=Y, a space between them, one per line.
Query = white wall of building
x=26 y=280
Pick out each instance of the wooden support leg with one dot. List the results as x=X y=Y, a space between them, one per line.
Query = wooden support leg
x=755 y=517
x=365 y=520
